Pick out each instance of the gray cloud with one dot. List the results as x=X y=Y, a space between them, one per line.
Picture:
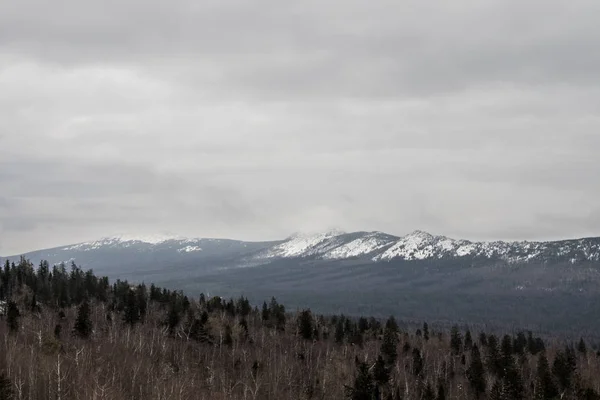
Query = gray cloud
x=253 y=120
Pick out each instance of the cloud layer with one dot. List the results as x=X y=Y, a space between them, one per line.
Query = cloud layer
x=256 y=119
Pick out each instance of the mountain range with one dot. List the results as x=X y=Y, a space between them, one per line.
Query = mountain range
x=548 y=285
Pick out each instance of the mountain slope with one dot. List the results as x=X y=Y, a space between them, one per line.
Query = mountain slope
x=333 y=245
x=552 y=284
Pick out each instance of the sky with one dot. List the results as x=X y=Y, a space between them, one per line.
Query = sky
x=256 y=119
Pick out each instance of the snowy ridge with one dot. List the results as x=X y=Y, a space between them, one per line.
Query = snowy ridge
x=361 y=246
x=303 y=245
x=420 y=245
x=337 y=245
x=124 y=241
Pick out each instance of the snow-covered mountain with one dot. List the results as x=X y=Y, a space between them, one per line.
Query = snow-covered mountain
x=372 y=247
x=417 y=275
x=419 y=245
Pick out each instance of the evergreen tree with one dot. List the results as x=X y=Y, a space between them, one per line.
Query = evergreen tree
x=389 y=347
x=545 y=388
x=173 y=318
x=131 y=313
x=363 y=388
x=339 y=331
x=12 y=316
x=83 y=323
x=581 y=347
x=476 y=372
x=6 y=392
x=228 y=336
x=418 y=363
x=483 y=339
x=306 y=325
x=563 y=369
x=425 y=331
x=468 y=340
x=455 y=340
x=57 y=331
x=34 y=305
x=381 y=374
x=266 y=315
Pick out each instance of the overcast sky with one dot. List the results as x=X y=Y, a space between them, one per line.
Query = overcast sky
x=256 y=119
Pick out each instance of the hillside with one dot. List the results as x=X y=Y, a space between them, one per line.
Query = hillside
x=553 y=286
x=74 y=335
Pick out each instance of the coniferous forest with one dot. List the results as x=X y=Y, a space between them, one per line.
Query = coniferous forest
x=68 y=334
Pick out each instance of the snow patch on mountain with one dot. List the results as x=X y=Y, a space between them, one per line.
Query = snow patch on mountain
x=303 y=245
x=126 y=241
x=358 y=247
x=189 y=249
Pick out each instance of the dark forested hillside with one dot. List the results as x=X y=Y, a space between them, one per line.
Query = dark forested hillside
x=69 y=334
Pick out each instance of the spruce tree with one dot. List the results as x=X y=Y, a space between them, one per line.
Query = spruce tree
x=563 y=369
x=389 y=349
x=306 y=325
x=339 y=331
x=455 y=340
x=581 y=347
x=363 y=388
x=83 y=323
x=545 y=388
x=12 y=316
x=131 y=313
x=173 y=318
x=418 y=363
x=476 y=372
x=468 y=340
x=266 y=315
x=425 y=331
x=381 y=374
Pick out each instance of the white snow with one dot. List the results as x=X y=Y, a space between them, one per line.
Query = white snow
x=300 y=245
x=127 y=240
x=189 y=249
x=358 y=247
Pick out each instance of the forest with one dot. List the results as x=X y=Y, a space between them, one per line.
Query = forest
x=69 y=334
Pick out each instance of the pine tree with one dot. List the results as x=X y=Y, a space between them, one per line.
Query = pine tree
x=12 y=316
x=363 y=388
x=381 y=374
x=563 y=369
x=468 y=340
x=425 y=331
x=228 y=336
x=581 y=347
x=339 y=331
x=173 y=318
x=131 y=313
x=389 y=347
x=83 y=324
x=545 y=388
x=418 y=362
x=6 y=392
x=476 y=372
x=306 y=325
x=266 y=315
x=455 y=340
